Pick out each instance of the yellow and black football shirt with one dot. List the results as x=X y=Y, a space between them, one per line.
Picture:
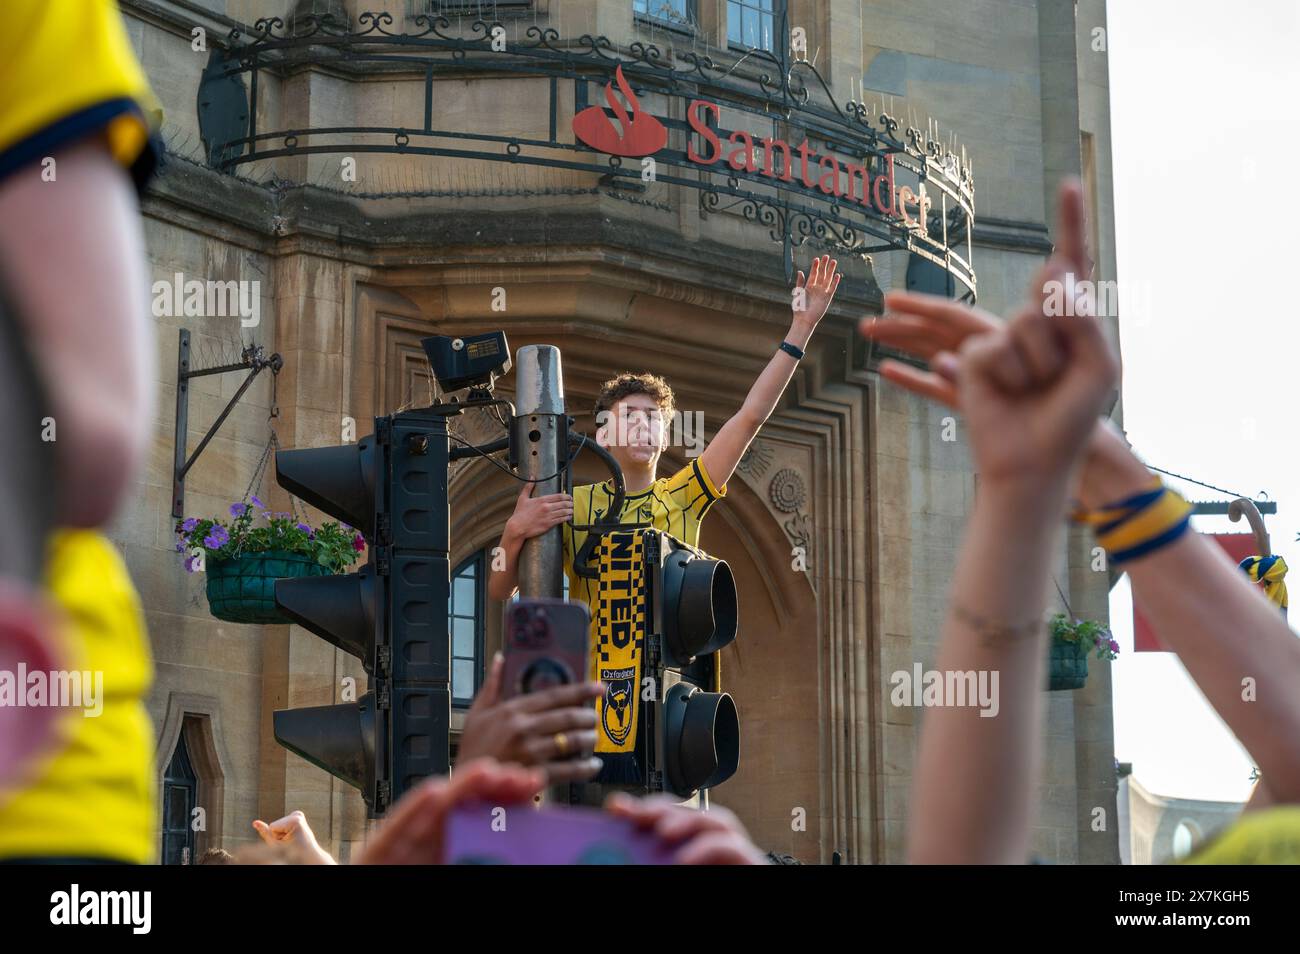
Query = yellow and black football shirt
x=68 y=71
x=95 y=795
x=675 y=505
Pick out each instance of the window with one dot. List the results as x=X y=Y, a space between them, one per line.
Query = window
x=483 y=9
x=180 y=794
x=671 y=11
x=752 y=24
x=1186 y=837
x=465 y=612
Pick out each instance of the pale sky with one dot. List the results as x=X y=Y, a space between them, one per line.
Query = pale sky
x=1206 y=137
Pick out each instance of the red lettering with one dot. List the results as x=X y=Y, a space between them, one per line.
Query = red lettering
x=697 y=122
x=744 y=148
x=769 y=145
x=803 y=163
x=833 y=173
x=887 y=179
x=864 y=177
x=905 y=198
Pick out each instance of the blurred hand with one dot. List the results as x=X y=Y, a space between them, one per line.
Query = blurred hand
x=1031 y=393
x=527 y=730
x=926 y=326
x=713 y=837
x=293 y=827
x=414 y=832
x=533 y=516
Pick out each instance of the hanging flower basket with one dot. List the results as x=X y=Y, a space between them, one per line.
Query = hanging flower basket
x=1067 y=665
x=1068 y=650
x=244 y=556
x=242 y=589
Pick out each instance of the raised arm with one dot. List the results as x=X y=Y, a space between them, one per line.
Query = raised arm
x=809 y=304
x=1234 y=643
x=1203 y=608
x=1031 y=393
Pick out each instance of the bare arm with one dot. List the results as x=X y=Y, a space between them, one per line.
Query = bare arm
x=73 y=251
x=733 y=439
x=1031 y=392
x=503 y=583
x=1221 y=626
x=974 y=774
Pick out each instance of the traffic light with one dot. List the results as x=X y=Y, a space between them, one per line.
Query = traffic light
x=390 y=614
x=692 y=614
x=679 y=606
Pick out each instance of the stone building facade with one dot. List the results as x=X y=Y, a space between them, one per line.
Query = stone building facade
x=1157 y=830
x=351 y=274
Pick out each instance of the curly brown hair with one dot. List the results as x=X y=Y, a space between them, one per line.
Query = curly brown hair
x=620 y=386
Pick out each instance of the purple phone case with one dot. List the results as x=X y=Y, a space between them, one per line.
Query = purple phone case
x=548 y=836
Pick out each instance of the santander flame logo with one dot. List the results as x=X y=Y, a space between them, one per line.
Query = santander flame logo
x=642 y=134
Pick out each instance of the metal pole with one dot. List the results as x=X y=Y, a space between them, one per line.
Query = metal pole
x=537 y=432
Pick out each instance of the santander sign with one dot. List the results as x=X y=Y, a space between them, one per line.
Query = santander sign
x=643 y=135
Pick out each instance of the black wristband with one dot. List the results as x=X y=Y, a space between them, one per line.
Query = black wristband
x=791 y=350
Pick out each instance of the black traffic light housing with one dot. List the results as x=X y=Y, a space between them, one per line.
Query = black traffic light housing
x=342 y=739
x=391 y=613
x=693 y=614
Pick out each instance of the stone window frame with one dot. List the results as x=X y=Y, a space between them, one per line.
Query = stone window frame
x=199 y=717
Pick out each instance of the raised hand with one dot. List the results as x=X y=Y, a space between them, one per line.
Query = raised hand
x=818 y=291
x=1032 y=392
x=293 y=828
x=927 y=326
x=554 y=729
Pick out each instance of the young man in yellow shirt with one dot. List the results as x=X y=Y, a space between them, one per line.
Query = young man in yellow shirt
x=633 y=415
x=75 y=129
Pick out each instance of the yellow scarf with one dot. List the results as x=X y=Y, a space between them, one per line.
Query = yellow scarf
x=1268 y=572
x=620 y=629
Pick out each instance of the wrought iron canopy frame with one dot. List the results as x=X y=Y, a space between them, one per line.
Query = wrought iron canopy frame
x=780 y=90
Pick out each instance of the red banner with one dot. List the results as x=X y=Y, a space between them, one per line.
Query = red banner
x=1238 y=546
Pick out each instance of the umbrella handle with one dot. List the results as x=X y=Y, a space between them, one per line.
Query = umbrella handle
x=1244 y=505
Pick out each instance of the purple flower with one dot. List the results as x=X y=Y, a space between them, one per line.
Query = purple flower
x=190 y=564
x=1114 y=646
x=217 y=539
x=359 y=543
x=189 y=524
x=257 y=503
x=180 y=548
x=311 y=534
x=238 y=509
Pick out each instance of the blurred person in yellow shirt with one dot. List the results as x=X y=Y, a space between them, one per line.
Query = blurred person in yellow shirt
x=75 y=143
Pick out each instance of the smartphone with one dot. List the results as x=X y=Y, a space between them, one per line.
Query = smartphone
x=546 y=644
x=484 y=834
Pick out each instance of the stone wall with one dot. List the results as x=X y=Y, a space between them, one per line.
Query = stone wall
x=867 y=481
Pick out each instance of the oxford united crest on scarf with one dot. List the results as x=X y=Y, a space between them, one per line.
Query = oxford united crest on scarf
x=620 y=633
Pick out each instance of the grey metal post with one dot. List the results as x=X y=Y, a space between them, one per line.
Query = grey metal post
x=539 y=412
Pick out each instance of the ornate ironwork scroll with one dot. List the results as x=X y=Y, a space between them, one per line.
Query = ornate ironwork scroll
x=788 y=99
